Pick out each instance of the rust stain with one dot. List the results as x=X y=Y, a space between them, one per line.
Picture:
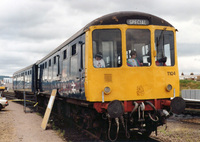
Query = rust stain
x=115 y=18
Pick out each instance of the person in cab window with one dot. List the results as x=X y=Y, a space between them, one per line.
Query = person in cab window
x=161 y=60
x=133 y=61
x=98 y=61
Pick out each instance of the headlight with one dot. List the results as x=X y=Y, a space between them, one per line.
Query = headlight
x=107 y=90
x=169 y=87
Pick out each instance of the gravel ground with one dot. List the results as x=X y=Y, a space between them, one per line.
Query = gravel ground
x=182 y=128
x=17 y=126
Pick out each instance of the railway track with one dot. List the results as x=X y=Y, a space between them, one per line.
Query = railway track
x=9 y=95
x=192 y=107
x=192 y=111
x=73 y=132
x=69 y=129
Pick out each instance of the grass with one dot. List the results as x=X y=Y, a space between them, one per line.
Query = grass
x=189 y=84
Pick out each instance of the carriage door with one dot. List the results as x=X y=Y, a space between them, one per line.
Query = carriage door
x=40 y=77
x=74 y=69
x=82 y=68
x=76 y=72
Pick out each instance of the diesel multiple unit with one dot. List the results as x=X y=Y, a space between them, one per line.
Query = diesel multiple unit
x=136 y=87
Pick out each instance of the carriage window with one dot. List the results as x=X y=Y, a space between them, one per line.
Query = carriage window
x=107 y=50
x=54 y=60
x=164 y=44
x=83 y=56
x=73 y=49
x=64 y=54
x=49 y=62
x=74 y=65
x=45 y=65
x=138 y=49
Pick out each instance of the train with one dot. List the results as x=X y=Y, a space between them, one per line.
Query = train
x=118 y=74
x=2 y=86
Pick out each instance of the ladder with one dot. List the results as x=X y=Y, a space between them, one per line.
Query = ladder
x=30 y=102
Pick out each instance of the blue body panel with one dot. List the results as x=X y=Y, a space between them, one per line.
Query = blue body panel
x=64 y=71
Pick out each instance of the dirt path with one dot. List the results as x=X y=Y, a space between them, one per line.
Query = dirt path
x=17 y=126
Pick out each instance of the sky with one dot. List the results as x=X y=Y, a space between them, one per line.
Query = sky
x=30 y=29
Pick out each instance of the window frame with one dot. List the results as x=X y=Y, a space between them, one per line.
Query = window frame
x=144 y=54
x=172 y=53
x=117 y=44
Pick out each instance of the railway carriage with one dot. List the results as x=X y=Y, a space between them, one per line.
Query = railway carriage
x=141 y=96
x=25 y=80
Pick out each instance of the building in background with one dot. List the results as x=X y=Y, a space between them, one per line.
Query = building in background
x=192 y=76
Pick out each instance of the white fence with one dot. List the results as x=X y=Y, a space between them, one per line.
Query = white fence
x=191 y=94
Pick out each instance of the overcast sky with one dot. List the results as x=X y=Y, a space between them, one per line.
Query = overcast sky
x=30 y=29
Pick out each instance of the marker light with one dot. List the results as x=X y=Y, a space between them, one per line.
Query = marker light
x=107 y=90
x=169 y=87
